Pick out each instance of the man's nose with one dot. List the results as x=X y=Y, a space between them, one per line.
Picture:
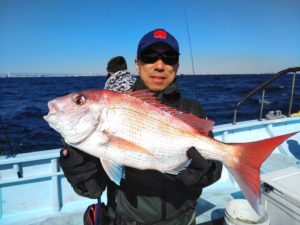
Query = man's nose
x=159 y=65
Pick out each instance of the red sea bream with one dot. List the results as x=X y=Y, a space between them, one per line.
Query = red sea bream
x=136 y=130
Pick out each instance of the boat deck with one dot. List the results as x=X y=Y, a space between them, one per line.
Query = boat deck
x=34 y=191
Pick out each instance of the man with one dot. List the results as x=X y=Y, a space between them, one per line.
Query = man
x=148 y=196
x=118 y=78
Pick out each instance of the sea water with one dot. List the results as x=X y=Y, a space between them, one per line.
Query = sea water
x=23 y=102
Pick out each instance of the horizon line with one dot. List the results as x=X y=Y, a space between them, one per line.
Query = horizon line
x=25 y=74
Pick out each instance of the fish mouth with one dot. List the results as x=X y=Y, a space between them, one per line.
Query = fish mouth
x=53 y=109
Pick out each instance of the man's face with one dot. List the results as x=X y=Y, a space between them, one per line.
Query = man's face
x=157 y=75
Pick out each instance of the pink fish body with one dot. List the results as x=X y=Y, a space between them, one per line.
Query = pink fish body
x=135 y=130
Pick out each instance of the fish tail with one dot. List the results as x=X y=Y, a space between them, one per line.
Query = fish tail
x=247 y=169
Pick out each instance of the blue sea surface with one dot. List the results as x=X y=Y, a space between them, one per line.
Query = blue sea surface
x=24 y=102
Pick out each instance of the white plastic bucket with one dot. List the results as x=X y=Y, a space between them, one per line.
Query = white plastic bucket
x=239 y=212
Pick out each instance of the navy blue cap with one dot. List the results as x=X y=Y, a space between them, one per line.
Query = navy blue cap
x=157 y=36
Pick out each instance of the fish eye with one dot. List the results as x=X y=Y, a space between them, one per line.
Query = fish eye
x=80 y=99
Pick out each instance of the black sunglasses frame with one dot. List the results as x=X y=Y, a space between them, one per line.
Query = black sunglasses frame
x=167 y=58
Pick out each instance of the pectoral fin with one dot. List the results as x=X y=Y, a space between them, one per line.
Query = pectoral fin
x=113 y=170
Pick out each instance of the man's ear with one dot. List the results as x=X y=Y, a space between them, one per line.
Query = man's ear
x=136 y=62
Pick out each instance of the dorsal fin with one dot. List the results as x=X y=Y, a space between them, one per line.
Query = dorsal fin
x=203 y=126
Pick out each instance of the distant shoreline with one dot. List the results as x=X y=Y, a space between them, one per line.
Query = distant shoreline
x=100 y=75
x=45 y=75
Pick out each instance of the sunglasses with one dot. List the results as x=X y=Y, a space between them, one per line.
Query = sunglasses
x=167 y=58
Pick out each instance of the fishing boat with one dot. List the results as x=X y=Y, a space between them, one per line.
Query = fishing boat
x=33 y=189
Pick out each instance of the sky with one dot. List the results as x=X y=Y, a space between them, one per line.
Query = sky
x=80 y=36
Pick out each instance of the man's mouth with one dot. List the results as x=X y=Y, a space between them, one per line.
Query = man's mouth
x=158 y=79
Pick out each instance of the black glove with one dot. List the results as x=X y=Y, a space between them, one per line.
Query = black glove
x=196 y=170
x=84 y=172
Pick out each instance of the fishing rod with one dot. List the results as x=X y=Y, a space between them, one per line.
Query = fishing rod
x=188 y=33
x=10 y=147
x=191 y=52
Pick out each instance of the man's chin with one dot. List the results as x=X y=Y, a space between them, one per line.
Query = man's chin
x=157 y=88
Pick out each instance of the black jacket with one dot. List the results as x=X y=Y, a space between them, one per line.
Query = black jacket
x=148 y=196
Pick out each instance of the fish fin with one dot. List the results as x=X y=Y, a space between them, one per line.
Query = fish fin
x=202 y=126
x=247 y=169
x=128 y=146
x=179 y=168
x=113 y=170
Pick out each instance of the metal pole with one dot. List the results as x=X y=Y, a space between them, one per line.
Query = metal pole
x=234 y=116
x=262 y=104
x=292 y=94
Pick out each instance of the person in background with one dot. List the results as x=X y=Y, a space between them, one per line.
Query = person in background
x=148 y=196
x=118 y=78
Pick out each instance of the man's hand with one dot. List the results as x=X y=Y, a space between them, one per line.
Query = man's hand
x=196 y=170
x=83 y=171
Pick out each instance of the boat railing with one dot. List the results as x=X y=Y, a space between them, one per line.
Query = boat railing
x=262 y=88
x=32 y=185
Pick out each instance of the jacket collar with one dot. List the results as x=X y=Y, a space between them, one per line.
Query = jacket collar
x=171 y=93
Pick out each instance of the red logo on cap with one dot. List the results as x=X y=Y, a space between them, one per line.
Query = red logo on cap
x=160 y=34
